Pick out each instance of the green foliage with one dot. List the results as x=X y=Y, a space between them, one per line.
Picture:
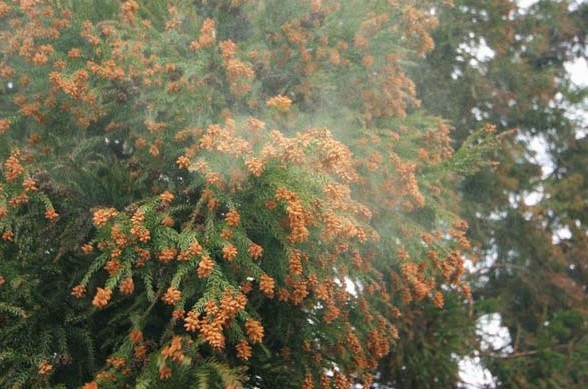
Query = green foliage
x=532 y=282
x=175 y=213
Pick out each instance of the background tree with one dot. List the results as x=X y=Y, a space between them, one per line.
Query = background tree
x=175 y=213
x=495 y=62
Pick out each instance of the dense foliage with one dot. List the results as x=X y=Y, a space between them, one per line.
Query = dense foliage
x=225 y=194
x=266 y=193
x=528 y=217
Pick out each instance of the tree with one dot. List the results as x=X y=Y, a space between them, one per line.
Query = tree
x=536 y=285
x=156 y=228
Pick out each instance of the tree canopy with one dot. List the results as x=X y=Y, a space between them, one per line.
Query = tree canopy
x=527 y=216
x=275 y=194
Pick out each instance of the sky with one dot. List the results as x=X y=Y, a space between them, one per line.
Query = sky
x=578 y=71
